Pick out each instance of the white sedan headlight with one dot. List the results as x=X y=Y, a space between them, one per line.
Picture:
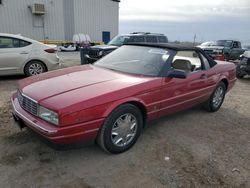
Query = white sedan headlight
x=48 y=115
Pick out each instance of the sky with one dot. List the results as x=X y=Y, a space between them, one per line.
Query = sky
x=182 y=19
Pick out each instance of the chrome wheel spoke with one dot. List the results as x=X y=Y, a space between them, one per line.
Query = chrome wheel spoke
x=119 y=121
x=118 y=140
x=128 y=118
x=130 y=135
x=115 y=134
x=133 y=125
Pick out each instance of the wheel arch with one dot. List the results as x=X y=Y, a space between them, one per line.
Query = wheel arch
x=138 y=103
x=25 y=64
x=225 y=81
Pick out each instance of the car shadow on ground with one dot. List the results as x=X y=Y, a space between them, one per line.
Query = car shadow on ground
x=9 y=78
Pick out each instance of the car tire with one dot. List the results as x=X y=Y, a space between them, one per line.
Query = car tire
x=34 y=67
x=216 y=99
x=121 y=129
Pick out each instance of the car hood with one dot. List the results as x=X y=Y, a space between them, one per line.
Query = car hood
x=81 y=83
x=212 y=47
x=105 y=47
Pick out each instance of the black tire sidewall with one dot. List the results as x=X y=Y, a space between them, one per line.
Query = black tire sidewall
x=111 y=120
x=214 y=109
x=26 y=68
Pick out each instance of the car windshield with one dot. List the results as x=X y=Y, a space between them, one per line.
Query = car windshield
x=147 y=61
x=119 y=40
x=225 y=43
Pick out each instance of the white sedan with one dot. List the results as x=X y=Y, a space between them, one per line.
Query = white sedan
x=20 y=55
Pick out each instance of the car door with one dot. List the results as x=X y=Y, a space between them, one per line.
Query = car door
x=179 y=94
x=13 y=53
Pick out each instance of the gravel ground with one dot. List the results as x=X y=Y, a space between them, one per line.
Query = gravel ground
x=192 y=148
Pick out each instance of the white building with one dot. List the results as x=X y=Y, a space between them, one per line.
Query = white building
x=60 y=19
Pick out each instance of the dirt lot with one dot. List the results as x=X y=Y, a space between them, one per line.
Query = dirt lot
x=189 y=149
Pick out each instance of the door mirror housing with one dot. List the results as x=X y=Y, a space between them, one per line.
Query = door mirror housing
x=176 y=73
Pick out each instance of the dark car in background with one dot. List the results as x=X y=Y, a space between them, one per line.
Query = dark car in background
x=243 y=68
x=96 y=52
x=226 y=49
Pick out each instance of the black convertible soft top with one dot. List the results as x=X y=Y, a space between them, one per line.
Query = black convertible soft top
x=176 y=47
x=165 y=45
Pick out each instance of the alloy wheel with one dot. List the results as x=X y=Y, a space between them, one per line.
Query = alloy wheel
x=35 y=68
x=218 y=97
x=124 y=130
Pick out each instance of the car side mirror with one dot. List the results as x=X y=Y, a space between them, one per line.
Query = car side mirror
x=176 y=73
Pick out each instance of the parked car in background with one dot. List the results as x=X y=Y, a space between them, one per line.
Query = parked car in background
x=111 y=101
x=68 y=48
x=229 y=49
x=97 y=52
x=206 y=44
x=21 y=55
x=243 y=68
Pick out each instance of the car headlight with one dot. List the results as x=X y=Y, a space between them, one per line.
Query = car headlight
x=48 y=115
x=100 y=53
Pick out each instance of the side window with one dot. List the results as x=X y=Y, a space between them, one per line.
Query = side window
x=151 y=39
x=24 y=43
x=6 y=42
x=188 y=61
x=162 y=39
x=16 y=43
x=205 y=62
x=136 y=39
x=235 y=45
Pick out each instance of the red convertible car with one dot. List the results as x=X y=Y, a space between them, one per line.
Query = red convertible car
x=111 y=101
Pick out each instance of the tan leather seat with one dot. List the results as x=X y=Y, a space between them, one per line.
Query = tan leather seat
x=182 y=64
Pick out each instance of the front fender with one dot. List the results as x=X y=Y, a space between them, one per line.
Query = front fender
x=115 y=104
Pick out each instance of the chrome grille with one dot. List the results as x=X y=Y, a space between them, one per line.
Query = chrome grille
x=27 y=104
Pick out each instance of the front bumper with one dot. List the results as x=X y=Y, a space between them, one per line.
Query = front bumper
x=61 y=135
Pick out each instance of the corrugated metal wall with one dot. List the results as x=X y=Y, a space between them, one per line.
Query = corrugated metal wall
x=90 y=17
x=16 y=18
x=69 y=19
x=94 y=16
